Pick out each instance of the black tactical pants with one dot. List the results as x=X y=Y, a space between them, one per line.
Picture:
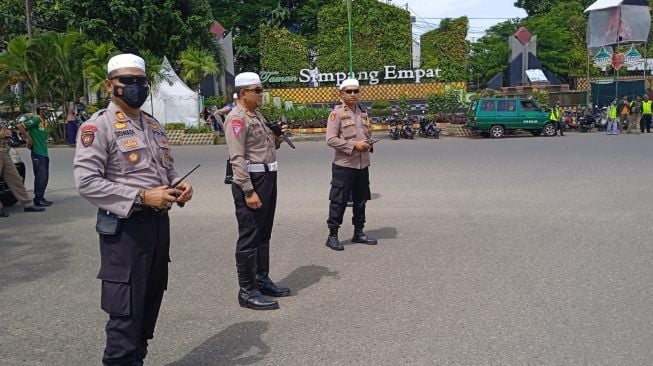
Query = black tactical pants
x=346 y=181
x=255 y=226
x=134 y=274
x=645 y=123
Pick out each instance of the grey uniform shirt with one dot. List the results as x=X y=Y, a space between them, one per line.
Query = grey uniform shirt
x=248 y=140
x=344 y=127
x=116 y=156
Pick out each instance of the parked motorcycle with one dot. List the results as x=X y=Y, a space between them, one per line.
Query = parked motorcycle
x=428 y=129
x=601 y=119
x=587 y=123
x=394 y=129
x=406 y=130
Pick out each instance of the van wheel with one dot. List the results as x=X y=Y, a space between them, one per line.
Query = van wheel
x=536 y=132
x=497 y=131
x=549 y=129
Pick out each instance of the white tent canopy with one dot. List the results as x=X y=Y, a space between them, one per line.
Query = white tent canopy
x=617 y=21
x=605 y=4
x=171 y=100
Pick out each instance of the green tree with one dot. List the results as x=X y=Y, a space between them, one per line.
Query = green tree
x=490 y=53
x=95 y=60
x=17 y=65
x=555 y=42
x=195 y=64
x=164 y=27
x=539 y=7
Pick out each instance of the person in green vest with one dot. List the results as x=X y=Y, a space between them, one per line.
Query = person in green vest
x=35 y=130
x=555 y=118
x=647 y=115
x=613 y=120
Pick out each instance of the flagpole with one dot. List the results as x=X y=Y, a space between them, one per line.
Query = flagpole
x=351 y=60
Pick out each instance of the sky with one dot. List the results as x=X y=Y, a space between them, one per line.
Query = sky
x=424 y=9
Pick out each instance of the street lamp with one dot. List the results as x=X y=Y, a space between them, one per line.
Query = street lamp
x=351 y=59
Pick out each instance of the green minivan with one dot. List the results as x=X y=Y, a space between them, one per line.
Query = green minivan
x=496 y=117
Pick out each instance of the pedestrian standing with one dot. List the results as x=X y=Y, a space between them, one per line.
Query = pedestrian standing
x=613 y=118
x=35 y=130
x=623 y=107
x=252 y=153
x=12 y=178
x=555 y=118
x=634 y=122
x=647 y=114
x=71 y=126
x=349 y=134
x=123 y=165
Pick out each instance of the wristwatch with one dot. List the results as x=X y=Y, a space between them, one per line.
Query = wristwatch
x=249 y=193
x=138 y=201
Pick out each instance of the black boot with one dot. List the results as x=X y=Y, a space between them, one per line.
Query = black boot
x=40 y=201
x=333 y=242
x=269 y=288
x=3 y=213
x=263 y=280
x=249 y=295
x=361 y=237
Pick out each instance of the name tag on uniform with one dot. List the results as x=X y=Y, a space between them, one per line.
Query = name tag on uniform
x=347 y=123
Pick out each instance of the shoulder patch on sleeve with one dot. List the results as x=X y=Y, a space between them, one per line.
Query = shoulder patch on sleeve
x=332 y=116
x=237 y=125
x=87 y=134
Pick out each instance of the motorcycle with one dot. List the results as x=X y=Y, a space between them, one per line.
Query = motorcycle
x=428 y=129
x=601 y=119
x=15 y=140
x=394 y=129
x=406 y=130
x=587 y=123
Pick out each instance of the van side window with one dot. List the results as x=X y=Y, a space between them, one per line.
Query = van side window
x=528 y=106
x=487 y=106
x=506 y=105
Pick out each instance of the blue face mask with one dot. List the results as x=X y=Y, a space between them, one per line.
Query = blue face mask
x=134 y=95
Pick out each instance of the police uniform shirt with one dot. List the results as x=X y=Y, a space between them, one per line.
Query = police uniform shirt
x=249 y=140
x=344 y=128
x=117 y=155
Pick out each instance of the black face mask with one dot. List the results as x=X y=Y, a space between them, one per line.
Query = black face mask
x=134 y=95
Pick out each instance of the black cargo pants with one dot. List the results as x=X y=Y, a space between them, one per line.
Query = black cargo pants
x=346 y=181
x=255 y=226
x=134 y=274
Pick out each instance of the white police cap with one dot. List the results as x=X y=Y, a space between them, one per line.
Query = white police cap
x=247 y=78
x=349 y=82
x=125 y=60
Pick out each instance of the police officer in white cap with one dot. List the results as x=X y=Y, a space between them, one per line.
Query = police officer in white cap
x=123 y=165
x=349 y=134
x=252 y=152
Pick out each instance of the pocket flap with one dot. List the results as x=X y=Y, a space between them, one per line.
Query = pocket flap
x=109 y=272
x=337 y=183
x=130 y=144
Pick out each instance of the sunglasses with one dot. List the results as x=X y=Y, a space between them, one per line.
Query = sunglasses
x=352 y=91
x=255 y=90
x=131 y=79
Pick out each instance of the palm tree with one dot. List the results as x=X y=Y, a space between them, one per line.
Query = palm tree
x=18 y=66
x=154 y=69
x=95 y=63
x=196 y=64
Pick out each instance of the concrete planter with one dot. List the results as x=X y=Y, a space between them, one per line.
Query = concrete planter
x=198 y=139
x=175 y=137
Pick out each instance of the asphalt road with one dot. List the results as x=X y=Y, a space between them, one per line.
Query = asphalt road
x=519 y=251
